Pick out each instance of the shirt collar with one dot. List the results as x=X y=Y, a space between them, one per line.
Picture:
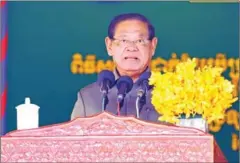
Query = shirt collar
x=117 y=75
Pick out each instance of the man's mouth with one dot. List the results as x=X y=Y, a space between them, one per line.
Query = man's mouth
x=132 y=58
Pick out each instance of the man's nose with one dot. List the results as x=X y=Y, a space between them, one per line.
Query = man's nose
x=132 y=48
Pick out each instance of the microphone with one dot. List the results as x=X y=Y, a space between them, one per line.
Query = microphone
x=143 y=83
x=124 y=85
x=106 y=81
x=144 y=86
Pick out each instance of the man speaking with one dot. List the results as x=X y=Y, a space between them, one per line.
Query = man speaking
x=131 y=42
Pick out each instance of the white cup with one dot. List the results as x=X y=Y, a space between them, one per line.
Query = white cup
x=27 y=115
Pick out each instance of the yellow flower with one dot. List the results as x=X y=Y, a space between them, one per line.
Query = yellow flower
x=154 y=77
x=191 y=91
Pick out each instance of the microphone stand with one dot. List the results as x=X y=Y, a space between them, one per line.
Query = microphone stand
x=137 y=106
x=119 y=102
x=140 y=93
x=120 y=98
x=104 y=102
x=104 y=98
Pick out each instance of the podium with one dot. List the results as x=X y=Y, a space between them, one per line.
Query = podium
x=108 y=138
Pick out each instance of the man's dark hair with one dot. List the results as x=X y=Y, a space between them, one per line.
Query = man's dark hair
x=130 y=16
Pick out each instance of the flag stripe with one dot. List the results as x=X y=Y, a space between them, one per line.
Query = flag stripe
x=3 y=126
x=4 y=44
x=3 y=21
x=3 y=2
x=3 y=58
x=3 y=102
x=3 y=76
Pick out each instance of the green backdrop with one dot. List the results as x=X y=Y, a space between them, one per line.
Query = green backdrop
x=43 y=36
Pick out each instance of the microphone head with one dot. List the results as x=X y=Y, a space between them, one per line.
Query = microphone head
x=125 y=80
x=106 y=75
x=144 y=77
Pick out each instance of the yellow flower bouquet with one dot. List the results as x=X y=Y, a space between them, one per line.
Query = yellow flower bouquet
x=190 y=91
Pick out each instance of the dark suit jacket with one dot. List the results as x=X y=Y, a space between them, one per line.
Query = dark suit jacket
x=89 y=102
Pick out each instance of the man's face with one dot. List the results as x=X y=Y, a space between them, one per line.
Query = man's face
x=130 y=48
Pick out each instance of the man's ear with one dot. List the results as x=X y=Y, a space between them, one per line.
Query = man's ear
x=108 y=43
x=154 y=45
